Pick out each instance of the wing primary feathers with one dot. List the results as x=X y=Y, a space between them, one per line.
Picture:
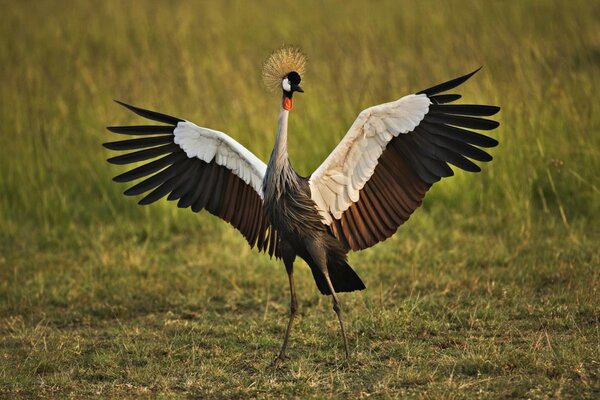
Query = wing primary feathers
x=186 y=181
x=465 y=122
x=149 y=168
x=141 y=129
x=155 y=180
x=442 y=87
x=206 y=187
x=444 y=98
x=456 y=159
x=160 y=191
x=144 y=154
x=153 y=115
x=139 y=143
x=414 y=161
x=193 y=188
x=463 y=135
x=464 y=109
x=436 y=166
x=457 y=146
x=179 y=181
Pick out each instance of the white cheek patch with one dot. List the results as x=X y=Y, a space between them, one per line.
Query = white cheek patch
x=286 y=85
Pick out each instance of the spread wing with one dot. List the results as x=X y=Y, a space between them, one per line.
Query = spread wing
x=379 y=173
x=200 y=168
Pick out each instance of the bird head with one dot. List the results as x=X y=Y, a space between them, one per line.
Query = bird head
x=282 y=70
x=291 y=84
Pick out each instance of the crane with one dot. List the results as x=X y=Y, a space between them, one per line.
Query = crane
x=365 y=189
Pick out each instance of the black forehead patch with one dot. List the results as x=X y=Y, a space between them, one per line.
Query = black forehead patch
x=294 y=78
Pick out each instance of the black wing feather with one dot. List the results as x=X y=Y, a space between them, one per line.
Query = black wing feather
x=153 y=115
x=194 y=189
x=161 y=191
x=143 y=155
x=444 y=98
x=131 y=144
x=149 y=168
x=464 y=109
x=185 y=183
x=458 y=147
x=448 y=85
x=156 y=179
x=141 y=129
x=463 y=135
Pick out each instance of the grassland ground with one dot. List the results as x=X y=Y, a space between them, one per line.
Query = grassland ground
x=489 y=291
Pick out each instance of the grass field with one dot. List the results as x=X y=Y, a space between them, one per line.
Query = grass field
x=491 y=290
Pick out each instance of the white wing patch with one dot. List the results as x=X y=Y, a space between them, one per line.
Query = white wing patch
x=336 y=184
x=207 y=144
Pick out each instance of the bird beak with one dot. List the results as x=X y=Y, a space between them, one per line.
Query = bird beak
x=297 y=88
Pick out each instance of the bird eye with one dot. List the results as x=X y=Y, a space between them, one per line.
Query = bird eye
x=294 y=77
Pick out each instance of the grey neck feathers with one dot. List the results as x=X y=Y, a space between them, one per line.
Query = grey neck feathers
x=280 y=175
x=279 y=156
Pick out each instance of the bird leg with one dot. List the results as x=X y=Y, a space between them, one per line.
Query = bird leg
x=293 y=309
x=319 y=255
x=338 y=310
x=288 y=259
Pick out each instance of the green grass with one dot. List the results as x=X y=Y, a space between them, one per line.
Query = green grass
x=489 y=291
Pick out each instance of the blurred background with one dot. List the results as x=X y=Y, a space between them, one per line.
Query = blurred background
x=518 y=240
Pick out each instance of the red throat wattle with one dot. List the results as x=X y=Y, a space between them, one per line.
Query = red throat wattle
x=287 y=103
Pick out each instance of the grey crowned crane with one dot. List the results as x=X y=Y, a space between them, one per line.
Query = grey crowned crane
x=365 y=189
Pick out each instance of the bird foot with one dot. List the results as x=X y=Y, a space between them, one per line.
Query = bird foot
x=345 y=362
x=279 y=359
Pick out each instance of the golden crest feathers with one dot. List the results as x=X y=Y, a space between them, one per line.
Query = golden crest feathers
x=280 y=63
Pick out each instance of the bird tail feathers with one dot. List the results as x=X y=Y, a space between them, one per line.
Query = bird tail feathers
x=343 y=278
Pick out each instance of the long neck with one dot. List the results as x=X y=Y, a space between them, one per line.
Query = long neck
x=280 y=175
x=279 y=156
